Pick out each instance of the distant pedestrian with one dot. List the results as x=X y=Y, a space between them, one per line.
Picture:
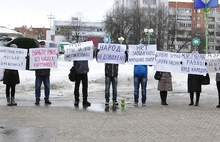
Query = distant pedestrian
x=42 y=75
x=140 y=78
x=11 y=78
x=194 y=85
x=165 y=85
x=82 y=69
x=217 y=79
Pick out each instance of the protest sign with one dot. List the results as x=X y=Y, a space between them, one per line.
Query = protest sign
x=111 y=53
x=213 y=62
x=168 y=62
x=79 y=51
x=13 y=58
x=141 y=54
x=193 y=63
x=43 y=58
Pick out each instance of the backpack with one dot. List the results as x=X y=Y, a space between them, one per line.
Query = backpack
x=72 y=74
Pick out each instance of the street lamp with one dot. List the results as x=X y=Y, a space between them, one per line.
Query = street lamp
x=148 y=32
x=121 y=39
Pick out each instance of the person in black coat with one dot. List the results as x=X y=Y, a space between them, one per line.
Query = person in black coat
x=194 y=85
x=11 y=78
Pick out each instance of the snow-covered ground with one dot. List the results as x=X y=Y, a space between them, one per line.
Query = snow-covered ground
x=62 y=88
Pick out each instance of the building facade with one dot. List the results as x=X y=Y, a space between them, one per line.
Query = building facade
x=84 y=30
x=194 y=22
x=191 y=21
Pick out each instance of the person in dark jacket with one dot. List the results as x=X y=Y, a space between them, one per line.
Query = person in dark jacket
x=194 y=85
x=42 y=75
x=82 y=69
x=140 y=78
x=111 y=76
x=11 y=78
x=217 y=79
x=164 y=85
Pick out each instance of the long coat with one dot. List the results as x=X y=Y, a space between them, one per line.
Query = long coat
x=165 y=83
x=11 y=77
x=194 y=83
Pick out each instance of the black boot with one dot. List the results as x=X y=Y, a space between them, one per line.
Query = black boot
x=162 y=97
x=8 y=101
x=165 y=98
x=191 y=98
x=197 y=99
x=218 y=106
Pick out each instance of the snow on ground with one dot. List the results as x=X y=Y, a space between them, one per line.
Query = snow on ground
x=61 y=87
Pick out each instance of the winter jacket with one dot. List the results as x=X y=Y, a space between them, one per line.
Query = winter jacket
x=165 y=83
x=194 y=83
x=11 y=77
x=111 y=70
x=217 y=77
x=43 y=72
x=81 y=67
x=140 y=70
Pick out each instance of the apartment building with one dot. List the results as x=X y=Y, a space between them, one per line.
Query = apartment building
x=187 y=18
x=194 y=22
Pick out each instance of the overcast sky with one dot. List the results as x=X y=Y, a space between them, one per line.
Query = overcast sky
x=15 y=13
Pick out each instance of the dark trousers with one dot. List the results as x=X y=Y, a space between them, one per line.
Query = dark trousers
x=84 y=79
x=218 y=88
x=8 y=88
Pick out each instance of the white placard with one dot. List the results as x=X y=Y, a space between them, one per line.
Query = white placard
x=111 y=53
x=43 y=58
x=13 y=58
x=78 y=51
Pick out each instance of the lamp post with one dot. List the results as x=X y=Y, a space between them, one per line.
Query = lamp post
x=148 y=32
x=121 y=39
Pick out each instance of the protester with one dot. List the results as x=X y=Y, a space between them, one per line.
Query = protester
x=42 y=75
x=11 y=78
x=111 y=76
x=194 y=85
x=82 y=68
x=217 y=79
x=164 y=85
x=140 y=78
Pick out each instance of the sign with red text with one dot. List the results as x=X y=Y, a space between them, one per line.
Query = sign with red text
x=79 y=51
x=13 y=58
x=43 y=58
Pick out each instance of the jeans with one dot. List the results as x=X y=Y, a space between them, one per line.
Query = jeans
x=140 y=79
x=108 y=81
x=84 y=78
x=46 y=81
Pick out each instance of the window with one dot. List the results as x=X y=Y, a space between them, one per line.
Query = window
x=196 y=26
x=144 y=2
x=132 y=2
x=184 y=10
x=197 y=18
x=211 y=26
x=185 y=25
x=197 y=10
x=153 y=2
x=217 y=19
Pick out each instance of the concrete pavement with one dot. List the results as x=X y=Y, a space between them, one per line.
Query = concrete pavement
x=62 y=122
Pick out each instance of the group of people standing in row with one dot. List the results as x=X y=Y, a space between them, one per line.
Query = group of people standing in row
x=140 y=77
